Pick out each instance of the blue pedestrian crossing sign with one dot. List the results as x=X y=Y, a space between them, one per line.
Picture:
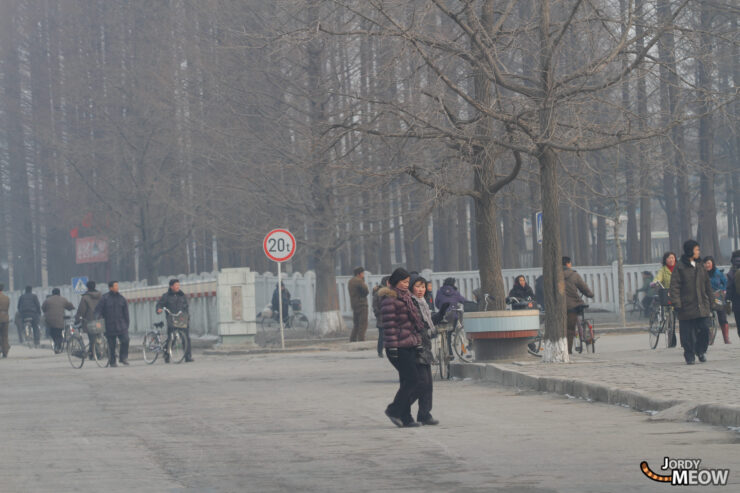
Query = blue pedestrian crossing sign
x=79 y=284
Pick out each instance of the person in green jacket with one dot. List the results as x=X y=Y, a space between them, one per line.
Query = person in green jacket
x=664 y=274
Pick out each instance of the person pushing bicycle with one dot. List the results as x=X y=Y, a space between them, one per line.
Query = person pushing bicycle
x=176 y=302
x=574 y=287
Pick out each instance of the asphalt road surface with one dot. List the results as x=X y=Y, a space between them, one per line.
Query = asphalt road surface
x=315 y=422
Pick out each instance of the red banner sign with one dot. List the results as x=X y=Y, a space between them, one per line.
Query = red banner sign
x=92 y=249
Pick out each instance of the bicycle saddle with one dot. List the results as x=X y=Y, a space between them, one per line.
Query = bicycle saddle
x=159 y=325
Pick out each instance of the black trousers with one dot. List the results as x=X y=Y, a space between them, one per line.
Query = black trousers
x=186 y=330
x=736 y=311
x=380 y=341
x=56 y=336
x=123 y=353
x=425 y=392
x=408 y=374
x=694 y=336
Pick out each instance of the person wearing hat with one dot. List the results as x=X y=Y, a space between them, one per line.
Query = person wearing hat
x=4 y=321
x=358 y=292
x=53 y=308
x=175 y=301
x=29 y=308
x=402 y=326
x=86 y=310
x=691 y=296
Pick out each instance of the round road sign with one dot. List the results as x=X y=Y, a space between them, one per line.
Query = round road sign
x=279 y=245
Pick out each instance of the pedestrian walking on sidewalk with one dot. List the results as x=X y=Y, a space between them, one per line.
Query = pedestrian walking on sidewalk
x=574 y=287
x=401 y=337
x=424 y=356
x=358 y=292
x=376 y=311
x=113 y=308
x=718 y=280
x=691 y=296
x=733 y=287
x=4 y=321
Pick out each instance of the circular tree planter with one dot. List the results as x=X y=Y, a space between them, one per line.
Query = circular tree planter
x=501 y=334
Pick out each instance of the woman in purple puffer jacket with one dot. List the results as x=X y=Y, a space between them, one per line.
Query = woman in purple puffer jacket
x=402 y=327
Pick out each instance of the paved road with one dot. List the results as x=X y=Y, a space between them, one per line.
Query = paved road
x=314 y=422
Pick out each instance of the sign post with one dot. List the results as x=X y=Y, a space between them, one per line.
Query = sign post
x=279 y=246
x=79 y=284
x=538 y=226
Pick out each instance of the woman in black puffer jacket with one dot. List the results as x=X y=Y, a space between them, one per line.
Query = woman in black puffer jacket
x=401 y=337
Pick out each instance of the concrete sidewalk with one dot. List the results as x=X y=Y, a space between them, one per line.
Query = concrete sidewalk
x=655 y=381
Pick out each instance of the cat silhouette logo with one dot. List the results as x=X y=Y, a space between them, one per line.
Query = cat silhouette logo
x=686 y=472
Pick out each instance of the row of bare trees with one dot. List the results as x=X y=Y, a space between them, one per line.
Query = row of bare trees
x=382 y=132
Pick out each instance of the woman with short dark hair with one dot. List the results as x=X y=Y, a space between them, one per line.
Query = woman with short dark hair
x=401 y=337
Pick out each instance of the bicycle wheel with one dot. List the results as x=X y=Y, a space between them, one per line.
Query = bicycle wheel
x=462 y=347
x=655 y=329
x=590 y=339
x=177 y=346
x=76 y=352
x=443 y=357
x=713 y=328
x=151 y=347
x=670 y=329
x=534 y=346
x=100 y=351
x=28 y=331
x=299 y=322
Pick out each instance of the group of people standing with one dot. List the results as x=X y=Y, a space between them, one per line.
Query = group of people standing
x=111 y=307
x=407 y=325
x=697 y=288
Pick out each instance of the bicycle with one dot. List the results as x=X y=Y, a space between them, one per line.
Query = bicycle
x=66 y=334
x=28 y=332
x=77 y=352
x=584 y=331
x=173 y=346
x=634 y=306
x=441 y=352
x=662 y=319
x=296 y=325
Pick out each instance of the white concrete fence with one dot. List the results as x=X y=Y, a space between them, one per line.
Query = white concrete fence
x=204 y=312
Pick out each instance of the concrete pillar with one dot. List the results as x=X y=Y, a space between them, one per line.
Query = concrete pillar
x=237 y=316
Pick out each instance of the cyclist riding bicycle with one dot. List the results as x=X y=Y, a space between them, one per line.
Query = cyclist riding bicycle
x=648 y=289
x=53 y=308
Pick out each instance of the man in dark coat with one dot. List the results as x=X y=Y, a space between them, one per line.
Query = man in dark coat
x=733 y=281
x=29 y=307
x=4 y=321
x=86 y=310
x=574 y=287
x=691 y=296
x=285 y=302
x=358 y=292
x=175 y=301
x=113 y=308
x=53 y=308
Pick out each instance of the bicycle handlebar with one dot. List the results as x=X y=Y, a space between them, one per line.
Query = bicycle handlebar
x=168 y=311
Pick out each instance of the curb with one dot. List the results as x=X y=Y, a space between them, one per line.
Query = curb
x=238 y=352
x=710 y=413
